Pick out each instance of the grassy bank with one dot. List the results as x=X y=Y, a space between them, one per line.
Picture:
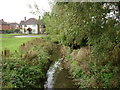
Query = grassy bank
x=9 y=35
x=88 y=72
x=27 y=68
x=13 y=43
x=17 y=34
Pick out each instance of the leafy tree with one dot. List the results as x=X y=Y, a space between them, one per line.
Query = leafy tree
x=80 y=24
x=91 y=24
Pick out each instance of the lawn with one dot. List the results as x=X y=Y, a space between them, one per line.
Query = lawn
x=13 y=43
x=9 y=35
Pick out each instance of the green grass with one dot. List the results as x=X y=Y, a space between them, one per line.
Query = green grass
x=9 y=35
x=13 y=43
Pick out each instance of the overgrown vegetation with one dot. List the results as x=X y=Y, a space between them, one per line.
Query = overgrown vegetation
x=91 y=47
x=27 y=68
x=88 y=24
x=90 y=73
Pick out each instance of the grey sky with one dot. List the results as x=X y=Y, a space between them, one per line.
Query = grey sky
x=16 y=10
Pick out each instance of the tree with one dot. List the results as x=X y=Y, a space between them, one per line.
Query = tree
x=81 y=24
x=29 y=30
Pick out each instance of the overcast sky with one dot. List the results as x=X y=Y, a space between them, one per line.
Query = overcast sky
x=16 y=10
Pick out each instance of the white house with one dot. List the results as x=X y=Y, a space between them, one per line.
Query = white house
x=36 y=26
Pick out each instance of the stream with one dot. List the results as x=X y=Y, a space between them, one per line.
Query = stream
x=57 y=77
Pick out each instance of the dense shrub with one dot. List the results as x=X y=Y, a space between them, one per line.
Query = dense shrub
x=27 y=68
x=10 y=31
x=16 y=75
x=92 y=73
x=27 y=73
x=82 y=24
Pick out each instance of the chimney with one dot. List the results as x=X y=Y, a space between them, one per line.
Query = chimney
x=2 y=20
x=25 y=21
x=25 y=18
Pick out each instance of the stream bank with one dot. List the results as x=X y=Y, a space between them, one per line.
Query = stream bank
x=28 y=67
x=58 y=77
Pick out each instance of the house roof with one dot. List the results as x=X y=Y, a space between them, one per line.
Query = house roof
x=22 y=23
x=31 y=21
x=3 y=23
x=13 y=24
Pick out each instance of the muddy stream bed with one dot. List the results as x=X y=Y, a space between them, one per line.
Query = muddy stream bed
x=58 y=77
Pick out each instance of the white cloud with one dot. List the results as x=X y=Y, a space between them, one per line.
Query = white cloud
x=16 y=10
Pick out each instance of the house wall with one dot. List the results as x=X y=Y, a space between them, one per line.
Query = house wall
x=17 y=27
x=0 y=27
x=14 y=27
x=4 y=27
x=33 y=27
x=22 y=29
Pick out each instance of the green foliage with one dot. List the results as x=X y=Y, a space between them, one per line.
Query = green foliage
x=22 y=76
x=77 y=74
x=83 y=23
x=96 y=75
x=10 y=31
x=27 y=68
x=19 y=73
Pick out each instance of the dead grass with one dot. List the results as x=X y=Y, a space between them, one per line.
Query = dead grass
x=81 y=54
x=82 y=57
x=40 y=44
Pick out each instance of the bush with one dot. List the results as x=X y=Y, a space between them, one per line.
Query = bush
x=88 y=72
x=19 y=73
x=10 y=31
x=28 y=68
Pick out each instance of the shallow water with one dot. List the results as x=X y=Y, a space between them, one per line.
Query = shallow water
x=58 y=77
